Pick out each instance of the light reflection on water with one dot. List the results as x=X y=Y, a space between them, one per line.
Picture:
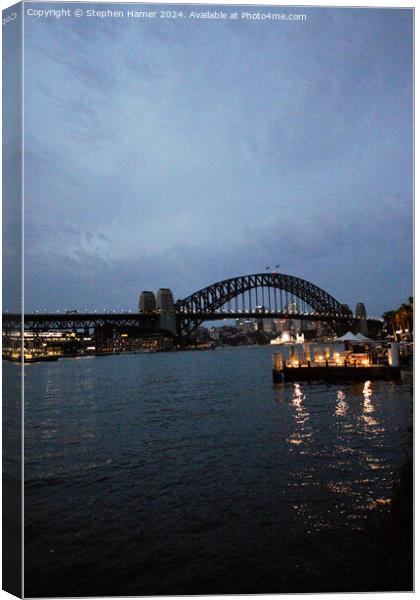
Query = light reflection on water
x=302 y=433
x=341 y=408
x=360 y=440
x=169 y=462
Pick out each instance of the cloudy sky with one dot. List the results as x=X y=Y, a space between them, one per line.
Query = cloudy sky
x=175 y=153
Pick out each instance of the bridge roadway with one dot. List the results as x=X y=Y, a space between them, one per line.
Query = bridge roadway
x=273 y=292
x=149 y=322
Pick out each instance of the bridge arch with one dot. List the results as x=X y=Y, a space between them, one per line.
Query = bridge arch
x=211 y=299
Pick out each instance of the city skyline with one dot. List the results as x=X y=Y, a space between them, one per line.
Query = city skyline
x=182 y=153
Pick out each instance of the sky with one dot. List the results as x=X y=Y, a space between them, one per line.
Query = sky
x=177 y=153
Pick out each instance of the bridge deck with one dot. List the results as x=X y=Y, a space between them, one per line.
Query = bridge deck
x=75 y=321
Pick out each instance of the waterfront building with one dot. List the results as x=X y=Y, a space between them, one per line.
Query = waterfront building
x=214 y=334
x=245 y=325
x=269 y=326
x=281 y=325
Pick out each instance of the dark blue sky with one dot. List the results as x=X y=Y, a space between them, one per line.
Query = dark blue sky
x=175 y=153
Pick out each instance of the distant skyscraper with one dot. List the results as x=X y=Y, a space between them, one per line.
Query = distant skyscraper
x=259 y=322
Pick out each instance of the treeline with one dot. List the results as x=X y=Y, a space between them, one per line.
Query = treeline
x=399 y=323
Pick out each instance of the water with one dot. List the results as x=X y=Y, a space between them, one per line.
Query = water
x=191 y=472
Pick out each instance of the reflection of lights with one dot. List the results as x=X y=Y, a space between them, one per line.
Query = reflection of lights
x=341 y=408
x=370 y=420
x=298 y=438
x=302 y=433
x=339 y=488
x=367 y=390
x=375 y=464
x=293 y=439
x=367 y=395
x=298 y=395
x=344 y=450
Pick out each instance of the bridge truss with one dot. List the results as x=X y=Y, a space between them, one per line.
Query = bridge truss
x=263 y=295
x=272 y=294
x=81 y=321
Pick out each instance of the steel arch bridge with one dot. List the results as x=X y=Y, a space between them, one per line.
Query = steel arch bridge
x=268 y=294
x=262 y=295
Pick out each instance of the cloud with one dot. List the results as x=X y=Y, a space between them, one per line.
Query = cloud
x=176 y=155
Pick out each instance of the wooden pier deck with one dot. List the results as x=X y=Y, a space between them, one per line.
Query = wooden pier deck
x=336 y=374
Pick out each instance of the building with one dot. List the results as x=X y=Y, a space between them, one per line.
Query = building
x=291 y=308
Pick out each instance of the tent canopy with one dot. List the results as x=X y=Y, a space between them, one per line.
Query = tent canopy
x=351 y=337
x=363 y=338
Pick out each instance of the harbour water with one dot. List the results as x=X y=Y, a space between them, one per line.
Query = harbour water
x=190 y=472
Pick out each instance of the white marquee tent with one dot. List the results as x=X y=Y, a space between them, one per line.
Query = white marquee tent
x=351 y=337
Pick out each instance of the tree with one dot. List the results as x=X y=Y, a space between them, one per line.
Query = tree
x=400 y=320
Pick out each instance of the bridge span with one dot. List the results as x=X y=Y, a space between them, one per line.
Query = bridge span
x=257 y=296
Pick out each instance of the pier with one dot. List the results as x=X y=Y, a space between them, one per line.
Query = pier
x=337 y=367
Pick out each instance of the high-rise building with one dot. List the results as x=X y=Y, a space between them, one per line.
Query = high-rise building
x=291 y=307
x=259 y=322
